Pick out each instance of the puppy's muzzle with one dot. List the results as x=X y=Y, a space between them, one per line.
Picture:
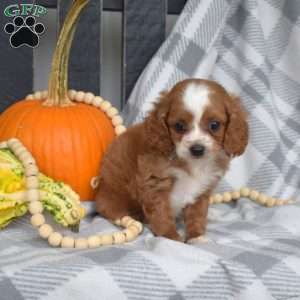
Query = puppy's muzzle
x=197 y=150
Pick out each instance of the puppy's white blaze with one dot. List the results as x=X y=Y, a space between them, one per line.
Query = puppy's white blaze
x=196 y=99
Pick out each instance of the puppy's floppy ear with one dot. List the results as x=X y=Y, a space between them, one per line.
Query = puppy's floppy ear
x=157 y=130
x=236 y=135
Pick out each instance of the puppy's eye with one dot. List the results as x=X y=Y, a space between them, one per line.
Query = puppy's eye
x=214 y=126
x=180 y=127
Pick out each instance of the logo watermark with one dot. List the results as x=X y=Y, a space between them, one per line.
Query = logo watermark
x=24 y=30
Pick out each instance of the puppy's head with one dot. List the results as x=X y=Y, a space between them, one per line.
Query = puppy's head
x=197 y=119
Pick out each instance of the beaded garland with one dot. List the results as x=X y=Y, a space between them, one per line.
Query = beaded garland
x=132 y=227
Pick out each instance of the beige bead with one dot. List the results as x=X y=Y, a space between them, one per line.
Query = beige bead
x=138 y=225
x=211 y=200
x=21 y=150
x=112 y=112
x=235 y=195
x=38 y=95
x=44 y=94
x=218 y=198
x=88 y=98
x=72 y=94
x=55 y=239
x=253 y=195
x=270 y=202
x=118 y=222
x=32 y=182
x=3 y=145
x=227 y=197
x=134 y=229
x=129 y=235
x=127 y=221
x=105 y=106
x=262 y=199
x=120 y=129
x=67 y=242
x=31 y=170
x=97 y=101
x=106 y=239
x=13 y=143
x=95 y=182
x=37 y=220
x=118 y=237
x=94 y=241
x=280 y=202
x=36 y=207
x=245 y=192
x=117 y=120
x=29 y=97
x=45 y=230
x=81 y=243
x=79 y=96
x=33 y=195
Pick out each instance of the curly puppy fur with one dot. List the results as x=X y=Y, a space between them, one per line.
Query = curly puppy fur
x=168 y=165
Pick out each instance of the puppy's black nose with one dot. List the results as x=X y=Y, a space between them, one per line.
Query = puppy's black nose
x=197 y=150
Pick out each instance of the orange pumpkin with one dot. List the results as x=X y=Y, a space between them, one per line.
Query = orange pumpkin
x=67 y=139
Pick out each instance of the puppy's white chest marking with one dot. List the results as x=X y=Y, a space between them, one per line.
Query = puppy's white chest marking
x=189 y=186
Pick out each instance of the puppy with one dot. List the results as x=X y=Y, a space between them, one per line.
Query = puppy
x=169 y=165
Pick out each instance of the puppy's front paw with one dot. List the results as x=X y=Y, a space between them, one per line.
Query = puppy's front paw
x=201 y=239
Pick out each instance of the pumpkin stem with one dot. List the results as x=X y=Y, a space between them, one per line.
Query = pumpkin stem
x=58 y=81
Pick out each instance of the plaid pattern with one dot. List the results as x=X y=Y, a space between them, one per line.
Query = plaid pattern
x=252 y=48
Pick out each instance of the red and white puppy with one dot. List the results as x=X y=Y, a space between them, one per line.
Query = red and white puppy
x=168 y=165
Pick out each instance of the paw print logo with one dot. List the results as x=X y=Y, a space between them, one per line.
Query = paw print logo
x=24 y=31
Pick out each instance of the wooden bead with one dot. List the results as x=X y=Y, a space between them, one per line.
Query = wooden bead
x=20 y=151
x=38 y=95
x=33 y=195
x=88 y=98
x=32 y=182
x=235 y=195
x=227 y=197
x=37 y=220
x=94 y=241
x=29 y=97
x=3 y=145
x=55 y=239
x=31 y=170
x=111 y=112
x=45 y=230
x=253 y=195
x=72 y=94
x=44 y=94
x=36 y=207
x=262 y=199
x=138 y=225
x=97 y=101
x=126 y=221
x=79 y=96
x=81 y=243
x=245 y=192
x=218 y=198
x=118 y=237
x=95 y=182
x=270 y=202
x=280 y=202
x=117 y=120
x=67 y=242
x=106 y=239
x=120 y=129
x=211 y=200
x=129 y=235
x=134 y=230
x=105 y=106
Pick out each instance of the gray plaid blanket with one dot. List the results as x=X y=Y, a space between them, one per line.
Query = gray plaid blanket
x=252 y=47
